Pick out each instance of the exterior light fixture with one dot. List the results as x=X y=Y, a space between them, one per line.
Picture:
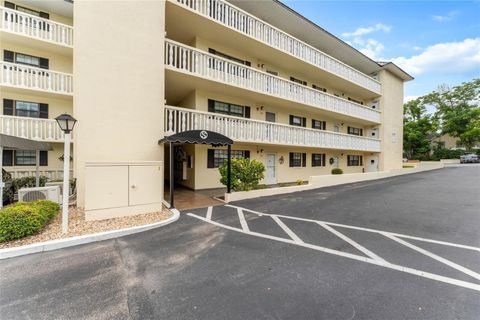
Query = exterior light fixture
x=66 y=123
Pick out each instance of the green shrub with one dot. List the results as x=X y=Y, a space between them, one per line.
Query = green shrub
x=408 y=166
x=337 y=171
x=25 y=218
x=27 y=182
x=245 y=174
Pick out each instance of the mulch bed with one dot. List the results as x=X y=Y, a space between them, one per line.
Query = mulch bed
x=77 y=226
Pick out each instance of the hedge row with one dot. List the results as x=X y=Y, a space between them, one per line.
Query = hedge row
x=25 y=218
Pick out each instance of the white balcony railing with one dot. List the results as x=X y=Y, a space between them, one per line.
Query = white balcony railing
x=248 y=130
x=51 y=174
x=35 y=27
x=241 y=21
x=26 y=77
x=31 y=128
x=205 y=65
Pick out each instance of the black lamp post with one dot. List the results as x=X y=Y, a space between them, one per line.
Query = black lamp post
x=66 y=123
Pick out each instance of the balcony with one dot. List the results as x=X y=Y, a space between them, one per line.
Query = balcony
x=189 y=60
x=24 y=77
x=255 y=131
x=16 y=22
x=236 y=19
x=31 y=128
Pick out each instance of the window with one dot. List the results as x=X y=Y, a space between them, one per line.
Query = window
x=298 y=121
x=318 y=159
x=356 y=101
x=298 y=81
x=25 y=109
x=228 y=109
x=354 y=161
x=320 y=125
x=226 y=56
x=24 y=158
x=275 y=73
x=355 y=131
x=26 y=59
x=297 y=159
x=217 y=157
x=319 y=88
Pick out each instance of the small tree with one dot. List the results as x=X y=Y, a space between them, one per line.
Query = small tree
x=245 y=174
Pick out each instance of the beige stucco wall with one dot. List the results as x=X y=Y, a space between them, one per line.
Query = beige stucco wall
x=391 y=130
x=57 y=61
x=119 y=81
x=206 y=178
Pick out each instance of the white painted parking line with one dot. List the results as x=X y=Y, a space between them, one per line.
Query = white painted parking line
x=365 y=229
x=243 y=222
x=384 y=264
x=287 y=230
x=434 y=256
x=209 y=213
x=351 y=242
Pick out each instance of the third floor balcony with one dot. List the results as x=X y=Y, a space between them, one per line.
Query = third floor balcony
x=192 y=61
x=31 y=128
x=222 y=22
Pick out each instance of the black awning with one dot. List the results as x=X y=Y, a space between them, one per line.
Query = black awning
x=198 y=137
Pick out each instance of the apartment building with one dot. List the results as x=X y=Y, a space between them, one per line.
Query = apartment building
x=287 y=92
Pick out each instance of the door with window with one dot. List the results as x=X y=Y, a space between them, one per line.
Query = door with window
x=271 y=170
x=372 y=164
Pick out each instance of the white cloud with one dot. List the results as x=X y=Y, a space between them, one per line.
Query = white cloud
x=449 y=16
x=372 y=48
x=369 y=47
x=449 y=57
x=366 y=30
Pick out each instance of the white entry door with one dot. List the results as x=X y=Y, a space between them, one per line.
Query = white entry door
x=271 y=173
x=372 y=164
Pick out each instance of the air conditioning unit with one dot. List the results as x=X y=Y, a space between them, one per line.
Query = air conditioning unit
x=51 y=193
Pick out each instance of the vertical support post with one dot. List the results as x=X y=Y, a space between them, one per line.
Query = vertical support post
x=37 y=168
x=1 y=180
x=66 y=180
x=171 y=176
x=229 y=168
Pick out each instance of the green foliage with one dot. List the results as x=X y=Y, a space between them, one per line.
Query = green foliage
x=337 y=171
x=407 y=166
x=245 y=174
x=25 y=218
x=27 y=182
x=418 y=128
x=443 y=153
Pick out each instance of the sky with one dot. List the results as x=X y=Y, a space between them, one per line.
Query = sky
x=437 y=42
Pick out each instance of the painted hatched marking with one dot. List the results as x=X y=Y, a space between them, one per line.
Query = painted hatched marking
x=380 y=263
x=243 y=222
x=351 y=242
x=209 y=213
x=287 y=230
x=434 y=256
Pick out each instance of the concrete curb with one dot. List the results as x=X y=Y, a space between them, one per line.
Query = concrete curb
x=88 y=238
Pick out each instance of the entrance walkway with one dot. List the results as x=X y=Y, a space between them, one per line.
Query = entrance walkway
x=189 y=199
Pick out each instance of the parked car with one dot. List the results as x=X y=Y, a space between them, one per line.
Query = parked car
x=470 y=158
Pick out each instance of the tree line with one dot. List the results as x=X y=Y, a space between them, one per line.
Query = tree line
x=449 y=110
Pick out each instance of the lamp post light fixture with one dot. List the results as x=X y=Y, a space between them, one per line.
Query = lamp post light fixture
x=66 y=123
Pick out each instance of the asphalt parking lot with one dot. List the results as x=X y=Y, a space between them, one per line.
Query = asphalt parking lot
x=400 y=248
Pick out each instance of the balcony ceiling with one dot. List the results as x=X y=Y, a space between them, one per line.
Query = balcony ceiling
x=60 y=7
x=290 y=21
